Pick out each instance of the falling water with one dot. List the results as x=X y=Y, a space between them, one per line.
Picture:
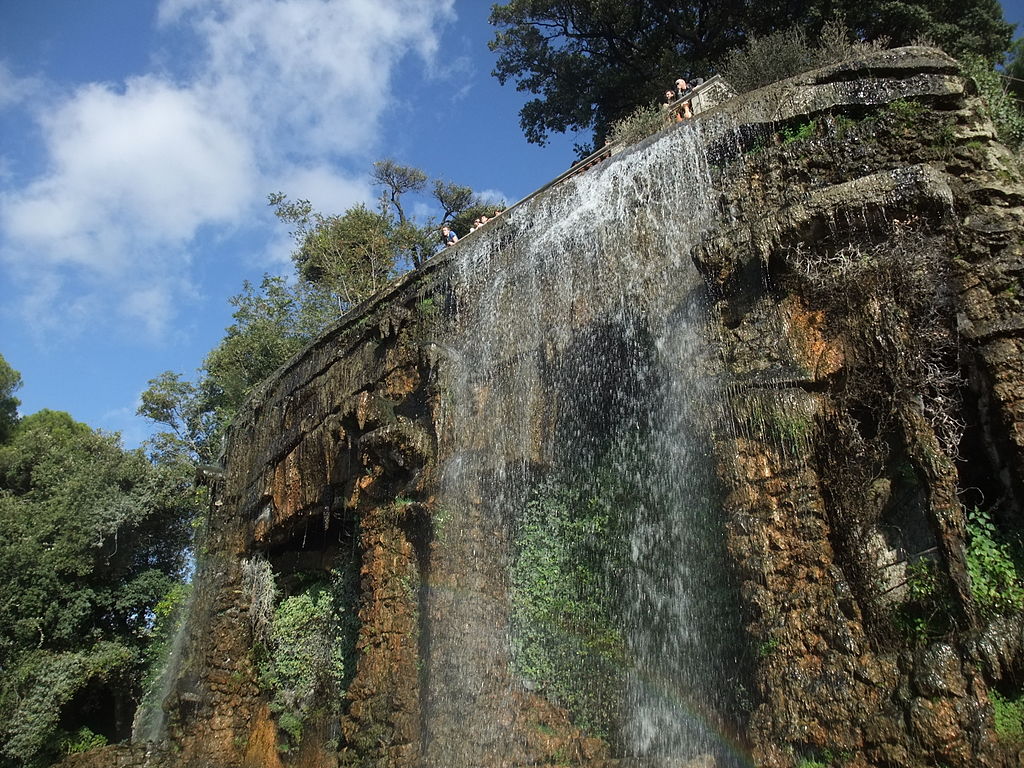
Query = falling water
x=150 y=721
x=578 y=367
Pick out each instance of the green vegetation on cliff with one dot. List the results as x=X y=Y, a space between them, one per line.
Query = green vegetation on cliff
x=340 y=261
x=569 y=544
x=305 y=643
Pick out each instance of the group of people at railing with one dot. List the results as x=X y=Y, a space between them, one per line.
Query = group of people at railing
x=450 y=237
x=677 y=105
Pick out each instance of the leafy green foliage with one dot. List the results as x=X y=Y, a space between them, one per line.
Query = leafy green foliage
x=997 y=586
x=644 y=121
x=340 y=261
x=1002 y=107
x=10 y=382
x=1014 y=69
x=788 y=52
x=162 y=656
x=826 y=758
x=271 y=324
x=1008 y=714
x=996 y=583
x=566 y=641
x=925 y=614
x=593 y=62
x=306 y=658
x=799 y=132
x=192 y=434
x=43 y=684
x=92 y=537
x=957 y=26
x=82 y=740
x=396 y=180
x=351 y=255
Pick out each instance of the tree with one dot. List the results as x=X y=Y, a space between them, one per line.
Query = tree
x=92 y=537
x=10 y=382
x=958 y=26
x=397 y=180
x=356 y=253
x=193 y=432
x=414 y=243
x=340 y=261
x=272 y=323
x=453 y=199
x=592 y=62
x=352 y=255
x=1014 y=69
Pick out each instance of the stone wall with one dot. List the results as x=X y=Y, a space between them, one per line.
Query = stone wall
x=864 y=316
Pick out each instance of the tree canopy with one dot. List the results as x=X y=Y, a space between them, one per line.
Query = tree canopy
x=92 y=538
x=340 y=260
x=10 y=382
x=591 y=62
x=271 y=323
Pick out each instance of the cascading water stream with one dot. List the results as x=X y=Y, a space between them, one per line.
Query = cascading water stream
x=579 y=368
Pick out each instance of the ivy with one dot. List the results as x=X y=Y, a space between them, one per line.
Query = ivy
x=1008 y=714
x=82 y=740
x=1002 y=107
x=42 y=685
x=926 y=613
x=799 y=131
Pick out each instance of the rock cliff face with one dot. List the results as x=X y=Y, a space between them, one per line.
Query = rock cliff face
x=792 y=459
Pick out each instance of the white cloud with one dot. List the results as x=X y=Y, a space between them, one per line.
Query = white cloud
x=14 y=89
x=284 y=95
x=151 y=307
x=328 y=191
x=129 y=172
x=494 y=196
x=321 y=70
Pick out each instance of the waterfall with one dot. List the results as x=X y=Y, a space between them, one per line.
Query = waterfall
x=150 y=723
x=579 y=529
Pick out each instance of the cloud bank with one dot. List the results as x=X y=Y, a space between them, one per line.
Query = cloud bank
x=283 y=94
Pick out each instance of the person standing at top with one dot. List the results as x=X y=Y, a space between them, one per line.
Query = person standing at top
x=671 y=111
x=683 y=89
x=448 y=235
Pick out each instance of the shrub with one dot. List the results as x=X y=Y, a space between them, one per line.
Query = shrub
x=642 y=122
x=44 y=683
x=82 y=740
x=1002 y=107
x=995 y=581
x=258 y=586
x=925 y=615
x=1008 y=714
x=788 y=52
x=308 y=649
x=565 y=639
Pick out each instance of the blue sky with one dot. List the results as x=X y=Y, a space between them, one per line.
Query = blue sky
x=140 y=139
